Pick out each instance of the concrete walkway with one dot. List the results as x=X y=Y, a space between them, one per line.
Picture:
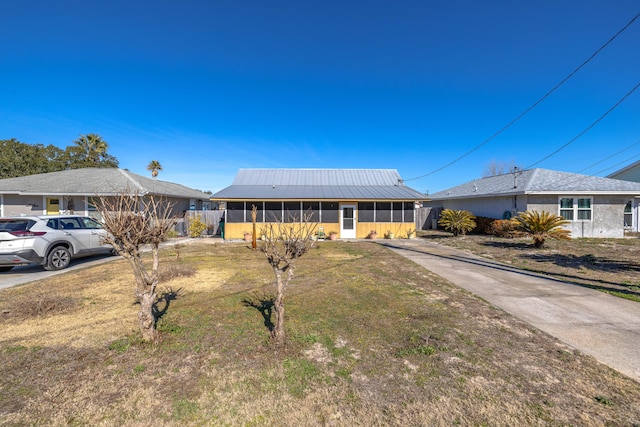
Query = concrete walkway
x=603 y=326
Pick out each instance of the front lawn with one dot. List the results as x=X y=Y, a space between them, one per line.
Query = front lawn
x=373 y=340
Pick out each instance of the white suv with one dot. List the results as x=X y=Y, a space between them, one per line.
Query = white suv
x=50 y=240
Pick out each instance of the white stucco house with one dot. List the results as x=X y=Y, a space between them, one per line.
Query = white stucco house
x=595 y=206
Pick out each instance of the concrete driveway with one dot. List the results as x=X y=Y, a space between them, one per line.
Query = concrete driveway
x=32 y=272
x=603 y=326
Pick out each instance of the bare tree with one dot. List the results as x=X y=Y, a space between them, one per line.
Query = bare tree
x=499 y=168
x=134 y=221
x=284 y=244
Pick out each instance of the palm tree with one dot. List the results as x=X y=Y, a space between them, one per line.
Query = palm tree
x=458 y=222
x=154 y=166
x=542 y=225
x=92 y=147
x=89 y=151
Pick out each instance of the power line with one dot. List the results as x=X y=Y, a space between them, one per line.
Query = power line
x=572 y=140
x=617 y=164
x=535 y=104
x=610 y=156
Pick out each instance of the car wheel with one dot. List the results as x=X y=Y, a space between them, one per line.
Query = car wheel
x=58 y=258
x=3 y=269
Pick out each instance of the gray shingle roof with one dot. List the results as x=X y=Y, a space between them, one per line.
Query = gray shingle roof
x=95 y=181
x=541 y=181
x=318 y=184
x=626 y=172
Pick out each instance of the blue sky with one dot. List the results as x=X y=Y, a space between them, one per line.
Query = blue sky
x=207 y=87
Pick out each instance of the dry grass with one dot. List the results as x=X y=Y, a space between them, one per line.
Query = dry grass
x=608 y=265
x=373 y=340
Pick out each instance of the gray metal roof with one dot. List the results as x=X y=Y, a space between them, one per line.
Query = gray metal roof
x=95 y=181
x=318 y=184
x=542 y=181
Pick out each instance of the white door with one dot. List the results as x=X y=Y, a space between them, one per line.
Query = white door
x=347 y=221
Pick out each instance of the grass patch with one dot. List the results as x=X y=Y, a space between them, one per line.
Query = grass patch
x=373 y=339
x=606 y=265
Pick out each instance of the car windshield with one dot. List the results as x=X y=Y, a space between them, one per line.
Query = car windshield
x=15 y=224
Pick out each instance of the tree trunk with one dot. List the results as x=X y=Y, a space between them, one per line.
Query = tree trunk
x=146 y=319
x=277 y=334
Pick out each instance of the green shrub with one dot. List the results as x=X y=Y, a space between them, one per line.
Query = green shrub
x=542 y=225
x=457 y=222
x=196 y=227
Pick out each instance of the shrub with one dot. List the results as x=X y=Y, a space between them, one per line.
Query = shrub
x=542 y=225
x=196 y=227
x=458 y=222
x=504 y=228
x=483 y=225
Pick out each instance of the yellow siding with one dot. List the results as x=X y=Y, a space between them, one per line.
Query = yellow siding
x=236 y=230
x=383 y=228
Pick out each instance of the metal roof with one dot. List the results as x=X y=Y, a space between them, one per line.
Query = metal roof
x=95 y=181
x=318 y=184
x=542 y=181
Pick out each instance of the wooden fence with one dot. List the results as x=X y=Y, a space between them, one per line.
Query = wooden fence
x=426 y=218
x=210 y=218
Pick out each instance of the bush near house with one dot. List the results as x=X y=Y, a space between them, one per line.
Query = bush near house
x=457 y=221
x=483 y=225
x=504 y=228
x=541 y=226
x=197 y=227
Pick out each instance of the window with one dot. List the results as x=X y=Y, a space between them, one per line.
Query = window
x=628 y=215
x=584 y=209
x=273 y=211
x=575 y=208
x=235 y=212
x=91 y=224
x=397 y=212
x=329 y=212
x=313 y=209
x=366 y=211
x=383 y=211
x=408 y=211
x=292 y=212
x=259 y=212
x=566 y=208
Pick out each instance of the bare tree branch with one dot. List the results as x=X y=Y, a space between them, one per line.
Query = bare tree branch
x=134 y=221
x=284 y=244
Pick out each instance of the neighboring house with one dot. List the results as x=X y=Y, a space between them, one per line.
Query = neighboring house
x=628 y=173
x=595 y=207
x=72 y=191
x=352 y=202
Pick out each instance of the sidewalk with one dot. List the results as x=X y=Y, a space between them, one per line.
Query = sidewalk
x=603 y=326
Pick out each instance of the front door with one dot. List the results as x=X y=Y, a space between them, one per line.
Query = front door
x=347 y=221
x=53 y=206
